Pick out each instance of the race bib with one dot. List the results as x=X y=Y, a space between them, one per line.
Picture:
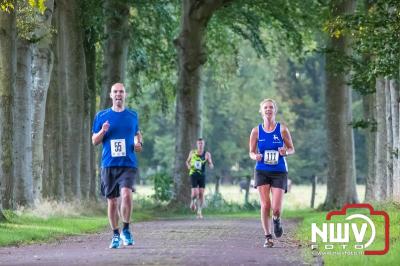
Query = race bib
x=197 y=165
x=118 y=148
x=271 y=157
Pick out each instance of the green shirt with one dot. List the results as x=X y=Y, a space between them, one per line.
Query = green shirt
x=198 y=163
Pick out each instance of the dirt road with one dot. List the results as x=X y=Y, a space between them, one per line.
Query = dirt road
x=172 y=242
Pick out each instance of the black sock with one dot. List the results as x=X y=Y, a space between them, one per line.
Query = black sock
x=268 y=236
x=116 y=231
x=126 y=226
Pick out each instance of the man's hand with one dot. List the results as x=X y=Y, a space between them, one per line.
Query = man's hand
x=97 y=138
x=105 y=126
x=138 y=147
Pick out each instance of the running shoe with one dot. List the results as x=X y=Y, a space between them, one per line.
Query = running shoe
x=269 y=243
x=278 y=230
x=127 y=237
x=115 y=242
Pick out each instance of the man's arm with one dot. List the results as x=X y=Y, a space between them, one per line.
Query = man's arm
x=210 y=162
x=97 y=138
x=188 y=160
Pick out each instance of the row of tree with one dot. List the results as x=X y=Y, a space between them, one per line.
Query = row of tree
x=363 y=55
x=49 y=107
x=59 y=59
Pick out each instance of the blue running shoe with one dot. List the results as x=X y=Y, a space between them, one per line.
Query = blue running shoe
x=115 y=242
x=127 y=237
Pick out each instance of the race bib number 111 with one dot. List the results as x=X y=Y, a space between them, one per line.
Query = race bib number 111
x=271 y=157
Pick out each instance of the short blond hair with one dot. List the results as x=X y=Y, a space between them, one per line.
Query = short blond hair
x=268 y=100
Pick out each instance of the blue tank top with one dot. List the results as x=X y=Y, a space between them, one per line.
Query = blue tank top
x=118 y=142
x=268 y=144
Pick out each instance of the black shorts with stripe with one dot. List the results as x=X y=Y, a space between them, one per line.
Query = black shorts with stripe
x=115 y=178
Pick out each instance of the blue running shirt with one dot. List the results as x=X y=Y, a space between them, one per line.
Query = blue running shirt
x=118 y=142
x=268 y=144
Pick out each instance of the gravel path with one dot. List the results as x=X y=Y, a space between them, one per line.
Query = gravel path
x=209 y=241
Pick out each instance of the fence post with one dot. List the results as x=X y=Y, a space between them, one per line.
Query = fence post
x=314 y=180
x=217 y=180
x=246 y=195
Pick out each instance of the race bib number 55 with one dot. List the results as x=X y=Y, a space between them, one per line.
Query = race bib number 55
x=271 y=157
x=118 y=148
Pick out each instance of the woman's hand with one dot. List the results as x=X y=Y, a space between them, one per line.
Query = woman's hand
x=282 y=151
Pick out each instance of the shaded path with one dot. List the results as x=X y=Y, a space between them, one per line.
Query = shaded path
x=172 y=242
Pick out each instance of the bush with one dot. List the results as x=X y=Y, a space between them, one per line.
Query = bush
x=162 y=186
x=215 y=201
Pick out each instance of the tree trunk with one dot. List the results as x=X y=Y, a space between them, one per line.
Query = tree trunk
x=190 y=45
x=381 y=141
x=370 y=115
x=22 y=142
x=90 y=55
x=53 y=183
x=394 y=99
x=42 y=64
x=73 y=97
x=8 y=68
x=62 y=83
x=341 y=185
x=115 y=46
x=389 y=140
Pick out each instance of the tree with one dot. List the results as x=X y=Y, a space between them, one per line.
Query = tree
x=22 y=141
x=116 y=45
x=190 y=45
x=341 y=184
x=53 y=183
x=91 y=19
x=7 y=86
x=374 y=28
x=72 y=58
x=42 y=64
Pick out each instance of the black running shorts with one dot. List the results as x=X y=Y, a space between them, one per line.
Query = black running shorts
x=198 y=180
x=115 y=178
x=274 y=179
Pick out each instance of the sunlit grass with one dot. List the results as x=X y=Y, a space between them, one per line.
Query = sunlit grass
x=51 y=220
x=24 y=229
x=299 y=196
